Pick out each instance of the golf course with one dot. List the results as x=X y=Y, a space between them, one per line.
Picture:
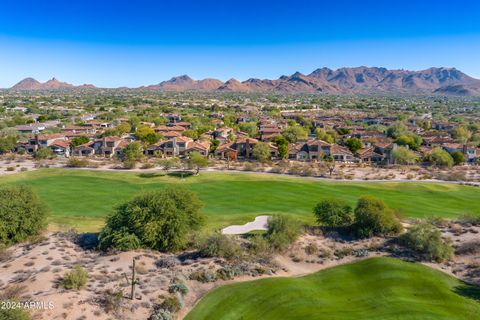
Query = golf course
x=82 y=198
x=377 y=288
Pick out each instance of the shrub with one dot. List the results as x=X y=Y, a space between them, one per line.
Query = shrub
x=112 y=301
x=203 y=276
x=10 y=168
x=282 y=232
x=458 y=157
x=469 y=218
x=222 y=246
x=160 y=220
x=77 y=163
x=167 y=262
x=427 y=240
x=172 y=303
x=374 y=218
x=311 y=248
x=333 y=213
x=259 y=247
x=178 y=287
x=14 y=314
x=161 y=314
x=43 y=153
x=22 y=214
x=75 y=279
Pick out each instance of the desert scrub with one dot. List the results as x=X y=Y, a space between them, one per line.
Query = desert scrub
x=427 y=241
x=172 y=303
x=221 y=246
x=75 y=279
x=203 y=275
x=178 y=287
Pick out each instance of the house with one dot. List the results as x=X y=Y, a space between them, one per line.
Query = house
x=60 y=147
x=109 y=146
x=43 y=141
x=84 y=150
x=317 y=149
x=31 y=128
x=469 y=152
x=341 y=154
x=201 y=147
x=370 y=156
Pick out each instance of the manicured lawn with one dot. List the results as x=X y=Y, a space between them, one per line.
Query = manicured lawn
x=378 y=288
x=82 y=198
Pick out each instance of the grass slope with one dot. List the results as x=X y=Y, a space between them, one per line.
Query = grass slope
x=377 y=288
x=83 y=198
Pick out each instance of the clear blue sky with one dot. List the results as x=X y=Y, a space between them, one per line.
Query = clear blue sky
x=133 y=43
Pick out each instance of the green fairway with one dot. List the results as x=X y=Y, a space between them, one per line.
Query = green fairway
x=378 y=288
x=83 y=198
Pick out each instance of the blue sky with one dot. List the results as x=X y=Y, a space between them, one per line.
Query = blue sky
x=133 y=43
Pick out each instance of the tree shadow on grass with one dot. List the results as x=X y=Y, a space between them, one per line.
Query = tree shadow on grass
x=148 y=175
x=468 y=291
x=181 y=174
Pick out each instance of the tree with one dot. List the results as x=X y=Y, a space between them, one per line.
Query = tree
x=7 y=143
x=159 y=219
x=282 y=146
x=22 y=214
x=134 y=122
x=353 y=144
x=250 y=128
x=411 y=140
x=197 y=161
x=123 y=128
x=374 y=218
x=324 y=136
x=402 y=155
x=131 y=154
x=397 y=129
x=190 y=133
x=295 y=133
x=214 y=145
x=333 y=213
x=261 y=152
x=147 y=135
x=427 y=240
x=43 y=153
x=458 y=157
x=330 y=164
x=79 y=141
x=462 y=134
x=441 y=158
x=282 y=231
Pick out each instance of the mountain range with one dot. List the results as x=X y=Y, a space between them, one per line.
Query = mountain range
x=359 y=80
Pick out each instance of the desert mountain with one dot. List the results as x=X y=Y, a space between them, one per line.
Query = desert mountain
x=358 y=80
x=184 y=82
x=52 y=84
x=363 y=80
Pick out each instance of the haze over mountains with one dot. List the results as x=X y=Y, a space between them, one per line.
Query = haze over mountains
x=359 y=80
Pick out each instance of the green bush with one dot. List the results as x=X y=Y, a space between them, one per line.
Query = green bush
x=221 y=246
x=77 y=163
x=14 y=314
x=172 y=303
x=333 y=213
x=427 y=240
x=178 y=287
x=160 y=219
x=75 y=279
x=282 y=232
x=374 y=218
x=259 y=247
x=44 y=153
x=22 y=214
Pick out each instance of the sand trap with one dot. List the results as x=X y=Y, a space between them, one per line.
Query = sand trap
x=260 y=223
